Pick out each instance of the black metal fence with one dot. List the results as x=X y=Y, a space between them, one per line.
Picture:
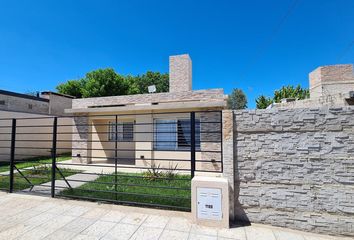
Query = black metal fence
x=134 y=159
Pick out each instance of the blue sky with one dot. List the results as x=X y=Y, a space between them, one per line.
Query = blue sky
x=254 y=45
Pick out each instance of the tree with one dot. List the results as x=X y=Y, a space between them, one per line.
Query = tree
x=103 y=82
x=263 y=102
x=106 y=82
x=291 y=92
x=139 y=84
x=237 y=99
x=72 y=87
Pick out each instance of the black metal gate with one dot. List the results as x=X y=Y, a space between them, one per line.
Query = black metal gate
x=143 y=159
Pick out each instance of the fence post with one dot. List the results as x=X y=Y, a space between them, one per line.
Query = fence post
x=192 y=143
x=116 y=156
x=54 y=155
x=12 y=155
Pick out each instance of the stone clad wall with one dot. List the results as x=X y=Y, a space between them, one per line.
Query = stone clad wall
x=295 y=168
x=198 y=95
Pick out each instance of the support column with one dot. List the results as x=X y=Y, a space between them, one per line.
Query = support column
x=81 y=140
x=228 y=157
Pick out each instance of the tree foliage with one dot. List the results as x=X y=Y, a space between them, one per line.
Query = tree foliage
x=289 y=91
x=237 y=99
x=72 y=87
x=106 y=82
x=262 y=102
x=139 y=84
x=103 y=82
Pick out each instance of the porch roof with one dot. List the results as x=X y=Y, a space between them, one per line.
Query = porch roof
x=150 y=107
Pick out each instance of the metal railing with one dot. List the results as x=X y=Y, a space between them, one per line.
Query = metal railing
x=148 y=163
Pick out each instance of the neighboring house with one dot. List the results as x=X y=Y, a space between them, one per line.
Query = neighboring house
x=329 y=86
x=33 y=114
x=150 y=126
x=49 y=103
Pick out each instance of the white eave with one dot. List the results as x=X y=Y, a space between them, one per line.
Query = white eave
x=148 y=107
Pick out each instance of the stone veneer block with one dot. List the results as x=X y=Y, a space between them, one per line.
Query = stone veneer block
x=295 y=168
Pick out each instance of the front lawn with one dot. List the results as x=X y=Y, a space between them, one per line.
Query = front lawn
x=36 y=176
x=174 y=193
x=30 y=162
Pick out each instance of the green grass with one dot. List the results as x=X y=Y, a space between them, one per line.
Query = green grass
x=178 y=198
x=37 y=176
x=30 y=162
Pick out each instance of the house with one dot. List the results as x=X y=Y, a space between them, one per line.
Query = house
x=34 y=116
x=331 y=86
x=48 y=103
x=141 y=129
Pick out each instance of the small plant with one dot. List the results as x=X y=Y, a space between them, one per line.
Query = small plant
x=38 y=170
x=154 y=172
x=171 y=171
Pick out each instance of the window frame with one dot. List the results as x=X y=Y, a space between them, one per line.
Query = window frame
x=177 y=147
x=119 y=135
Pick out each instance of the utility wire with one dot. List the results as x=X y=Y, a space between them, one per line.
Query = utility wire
x=346 y=50
x=267 y=42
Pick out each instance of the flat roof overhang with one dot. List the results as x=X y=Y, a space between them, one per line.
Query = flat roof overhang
x=145 y=108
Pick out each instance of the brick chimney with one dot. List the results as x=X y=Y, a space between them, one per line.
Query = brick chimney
x=180 y=73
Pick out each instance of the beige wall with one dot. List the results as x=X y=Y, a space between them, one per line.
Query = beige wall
x=103 y=148
x=57 y=104
x=39 y=141
x=142 y=149
x=13 y=103
x=331 y=80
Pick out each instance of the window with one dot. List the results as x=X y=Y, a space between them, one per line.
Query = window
x=175 y=134
x=165 y=134
x=125 y=132
x=2 y=102
x=30 y=106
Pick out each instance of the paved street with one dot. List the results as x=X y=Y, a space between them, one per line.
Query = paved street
x=33 y=217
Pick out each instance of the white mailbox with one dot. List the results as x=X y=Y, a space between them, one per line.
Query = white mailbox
x=209 y=203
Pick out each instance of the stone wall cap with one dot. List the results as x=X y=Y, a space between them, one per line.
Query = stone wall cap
x=210 y=179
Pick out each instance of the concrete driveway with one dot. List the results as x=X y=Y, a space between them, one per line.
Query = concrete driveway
x=33 y=217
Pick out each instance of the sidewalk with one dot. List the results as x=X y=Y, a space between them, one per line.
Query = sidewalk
x=33 y=217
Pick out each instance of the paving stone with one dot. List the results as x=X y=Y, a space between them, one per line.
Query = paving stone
x=179 y=224
x=78 y=225
x=76 y=211
x=61 y=235
x=134 y=218
x=279 y=235
x=40 y=219
x=173 y=235
x=57 y=222
x=113 y=216
x=194 y=236
x=233 y=233
x=259 y=233
x=85 y=237
x=147 y=233
x=121 y=231
x=95 y=213
x=15 y=231
x=155 y=221
x=196 y=229
x=37 y=233
x=99 y=228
